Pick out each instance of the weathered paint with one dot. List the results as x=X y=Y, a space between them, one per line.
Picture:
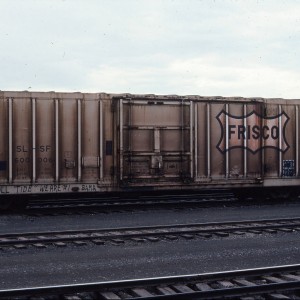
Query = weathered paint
x=89 y=142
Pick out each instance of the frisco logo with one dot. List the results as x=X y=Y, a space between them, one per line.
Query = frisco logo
x=253 y=132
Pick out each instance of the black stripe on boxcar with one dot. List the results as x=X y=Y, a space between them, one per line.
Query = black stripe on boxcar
x=108 y=148
x=2 y=165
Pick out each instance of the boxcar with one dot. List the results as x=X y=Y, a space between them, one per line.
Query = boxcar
x=96 y=142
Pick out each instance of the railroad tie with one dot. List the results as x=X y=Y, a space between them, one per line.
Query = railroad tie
x=60 y=244
x=117 y=241
x=139 y=292
x=291 y=277
x=152 y=238
x=4 y=240
x=80 y=243
x=225 y=284
x=273 y=279
x=278 y=296
x=205 y=235
x=183 y=288
x=171 y=237
x=166 y=290
x=221 y=233
x=243 y=282
x=72 y=297
x=110 y=296
x=39 y=245
x=20 y=246
x=285 y=229
x=98 y=242
x=270 y=230
x=187 y=236
x=254 y=231
x=137 y=239
x=201 y=286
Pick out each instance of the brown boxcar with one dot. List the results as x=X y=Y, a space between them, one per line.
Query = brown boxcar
x=96 y=142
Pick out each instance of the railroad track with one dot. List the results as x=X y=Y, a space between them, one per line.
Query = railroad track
x=117 y=236
x=95 y=205
x=281 y=282
x=139 y=200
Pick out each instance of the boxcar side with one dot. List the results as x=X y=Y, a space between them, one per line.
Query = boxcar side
x=96 y=142
x=55 y=143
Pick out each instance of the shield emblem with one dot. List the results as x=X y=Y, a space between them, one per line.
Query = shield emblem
x=252 y=132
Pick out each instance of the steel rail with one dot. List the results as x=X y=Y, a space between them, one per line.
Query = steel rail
x=154 y=198
x=44 y=206
x=108 y=234
x=157 y=288
x=89 y=203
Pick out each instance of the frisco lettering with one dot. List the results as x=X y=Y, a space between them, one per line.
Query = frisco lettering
x=253 y=132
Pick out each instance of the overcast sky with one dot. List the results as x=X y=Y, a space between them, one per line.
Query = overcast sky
x=226 y=48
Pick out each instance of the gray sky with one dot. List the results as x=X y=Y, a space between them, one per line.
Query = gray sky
x=227 y=48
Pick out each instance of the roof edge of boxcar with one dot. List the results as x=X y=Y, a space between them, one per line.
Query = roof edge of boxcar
x=102 y=95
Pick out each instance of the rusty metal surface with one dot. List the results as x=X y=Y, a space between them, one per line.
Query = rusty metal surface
x=73 y=142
